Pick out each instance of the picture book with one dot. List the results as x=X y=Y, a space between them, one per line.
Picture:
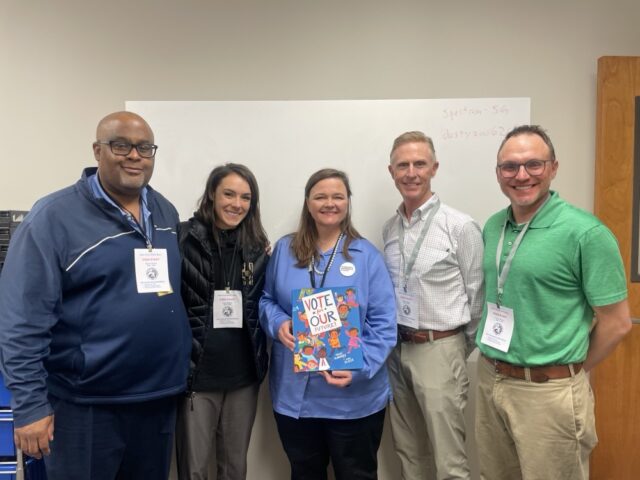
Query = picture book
x=326 y=329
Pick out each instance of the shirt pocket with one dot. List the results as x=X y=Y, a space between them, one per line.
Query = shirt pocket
x=430 y=261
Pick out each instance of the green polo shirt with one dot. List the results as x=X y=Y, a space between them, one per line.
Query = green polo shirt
x=567 y=262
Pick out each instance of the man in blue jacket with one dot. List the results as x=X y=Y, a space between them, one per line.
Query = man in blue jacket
x=93 y=332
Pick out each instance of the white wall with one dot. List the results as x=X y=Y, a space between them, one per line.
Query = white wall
x=65 y=64
x=289 y=140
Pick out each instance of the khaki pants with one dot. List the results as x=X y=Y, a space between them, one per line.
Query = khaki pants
x=430 y=386
x=533 y=431
x=220 y=420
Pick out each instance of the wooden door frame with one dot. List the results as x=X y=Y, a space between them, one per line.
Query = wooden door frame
x=616 y=381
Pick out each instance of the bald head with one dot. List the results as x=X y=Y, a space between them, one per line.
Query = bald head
x=122 y=171
x=113 y=121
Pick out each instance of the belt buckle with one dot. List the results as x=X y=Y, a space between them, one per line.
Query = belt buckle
x=544 y=378
x=408 y=336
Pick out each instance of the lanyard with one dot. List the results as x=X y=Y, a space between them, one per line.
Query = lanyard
x=502 y=275
x=140 y=226
x=131 y=218
x=227 y=276
x=416 y=248
x=146 y=225
x=312 y=267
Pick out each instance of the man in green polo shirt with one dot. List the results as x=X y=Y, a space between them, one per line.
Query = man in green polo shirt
x=548 y=268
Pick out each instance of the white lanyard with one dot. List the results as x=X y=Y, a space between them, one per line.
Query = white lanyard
x=416 y=248
x=502 y=275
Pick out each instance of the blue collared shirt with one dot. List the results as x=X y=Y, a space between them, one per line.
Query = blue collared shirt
x=98 y=192
x=306 y=394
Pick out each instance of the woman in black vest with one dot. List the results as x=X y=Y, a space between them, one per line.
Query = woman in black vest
x=223 y=249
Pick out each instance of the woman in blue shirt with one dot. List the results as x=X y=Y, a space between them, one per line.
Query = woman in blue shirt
x=327 y=415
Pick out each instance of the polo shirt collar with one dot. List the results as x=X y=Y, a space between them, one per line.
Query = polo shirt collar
x=546 y=216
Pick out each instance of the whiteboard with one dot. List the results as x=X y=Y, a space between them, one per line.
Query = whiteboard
x=284 y=142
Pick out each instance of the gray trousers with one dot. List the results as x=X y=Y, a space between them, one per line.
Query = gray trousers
x=219 y=422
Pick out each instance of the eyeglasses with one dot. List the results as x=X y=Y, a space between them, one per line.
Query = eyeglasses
x=534 y=168
x=146 y=150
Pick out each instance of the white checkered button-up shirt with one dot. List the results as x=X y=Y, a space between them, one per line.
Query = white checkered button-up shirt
x=447 y=278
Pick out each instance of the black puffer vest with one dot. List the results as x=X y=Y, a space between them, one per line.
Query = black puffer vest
x=197 y=249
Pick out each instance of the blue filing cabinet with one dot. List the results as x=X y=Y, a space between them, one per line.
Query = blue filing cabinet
x=8 y=459
x=12 y=466
x=8 y=470
x=7 y=448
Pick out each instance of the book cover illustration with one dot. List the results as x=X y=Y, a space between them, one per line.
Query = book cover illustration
x=326 y=329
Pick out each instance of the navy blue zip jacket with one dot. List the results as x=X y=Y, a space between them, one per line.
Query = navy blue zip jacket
x=72 y=323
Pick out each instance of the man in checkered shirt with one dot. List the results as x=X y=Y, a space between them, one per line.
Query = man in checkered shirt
x=434 y=255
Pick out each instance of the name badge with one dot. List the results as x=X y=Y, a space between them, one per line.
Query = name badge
x=152 y=270
x=227 y=309
x=498 y=328
x=407 y=309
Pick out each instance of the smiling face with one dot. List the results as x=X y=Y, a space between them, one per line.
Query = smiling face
x=412 y=168
x=526 y=192
x=232 y=201
x=328 y=203
x=123 y=176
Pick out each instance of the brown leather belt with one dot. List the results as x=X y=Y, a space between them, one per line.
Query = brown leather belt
x=536 y=374
x=424 y=336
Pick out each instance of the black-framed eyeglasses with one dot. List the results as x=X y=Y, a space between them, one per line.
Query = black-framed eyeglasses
x=534 y=168
x=118 y=147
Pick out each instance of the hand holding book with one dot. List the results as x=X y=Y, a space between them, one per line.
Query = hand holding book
x=338 y=378
x=285 y=336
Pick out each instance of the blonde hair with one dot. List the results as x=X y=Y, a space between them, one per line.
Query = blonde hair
x=412 y=137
